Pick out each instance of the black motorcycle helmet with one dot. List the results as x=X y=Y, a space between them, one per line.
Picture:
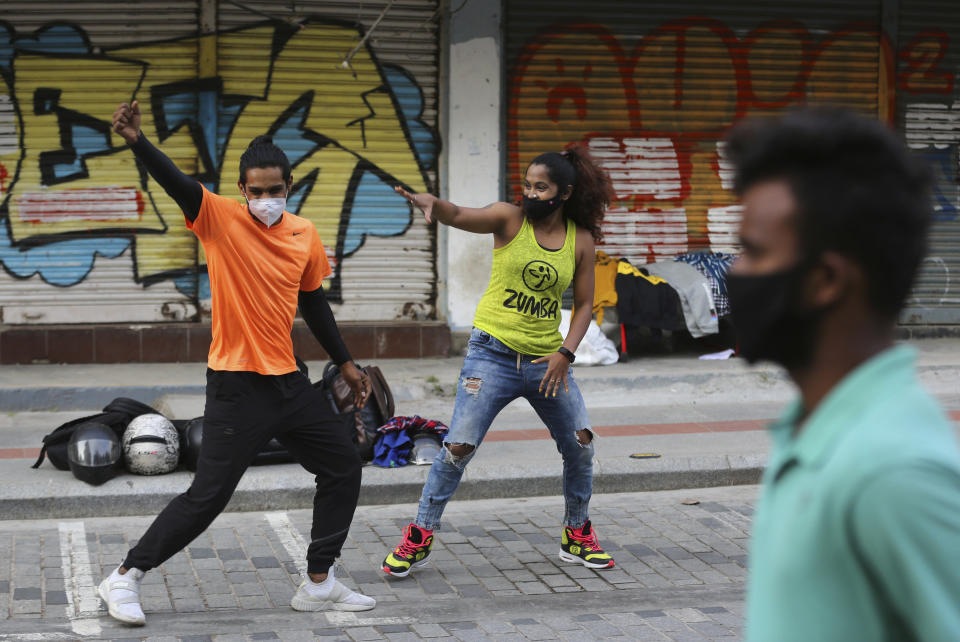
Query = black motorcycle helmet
x=191 y=437
x=94 y=453
x=190 y=440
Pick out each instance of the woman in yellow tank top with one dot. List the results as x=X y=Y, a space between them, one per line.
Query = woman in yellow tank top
x=515 y=348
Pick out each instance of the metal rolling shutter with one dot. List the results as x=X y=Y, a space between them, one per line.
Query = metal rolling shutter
x=81 y=241
x=385 y=252
x=652 y=87
x=928 y=111
x=208 y=96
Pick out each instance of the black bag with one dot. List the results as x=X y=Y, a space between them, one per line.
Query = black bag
x=117 y=414
x=375 y=413
x=191 y=437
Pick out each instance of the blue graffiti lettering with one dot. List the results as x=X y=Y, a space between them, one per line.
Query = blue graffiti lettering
x=63 y=263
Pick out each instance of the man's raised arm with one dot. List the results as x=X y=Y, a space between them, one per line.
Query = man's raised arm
x=185 y=190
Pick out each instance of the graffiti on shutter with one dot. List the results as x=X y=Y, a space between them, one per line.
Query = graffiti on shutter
x=655 y=115
x=71 y=190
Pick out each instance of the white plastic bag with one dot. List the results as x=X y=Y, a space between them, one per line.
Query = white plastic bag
x=595 y=349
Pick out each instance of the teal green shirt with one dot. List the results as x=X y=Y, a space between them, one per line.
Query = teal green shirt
x=857 y=533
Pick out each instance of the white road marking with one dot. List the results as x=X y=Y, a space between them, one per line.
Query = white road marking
x=83 y=603
x=38 y=636
x=290 y=537
x=346 y=618
x=296 y=546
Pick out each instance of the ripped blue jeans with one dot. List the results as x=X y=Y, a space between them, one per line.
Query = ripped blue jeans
x=492 y=376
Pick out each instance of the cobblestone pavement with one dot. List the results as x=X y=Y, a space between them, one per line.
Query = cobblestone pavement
x=495 y=575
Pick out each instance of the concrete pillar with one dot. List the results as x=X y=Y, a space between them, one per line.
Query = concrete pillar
x=473 y=140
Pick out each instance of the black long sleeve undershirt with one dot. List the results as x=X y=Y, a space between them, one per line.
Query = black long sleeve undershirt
x=186 y=191
x=317 y=314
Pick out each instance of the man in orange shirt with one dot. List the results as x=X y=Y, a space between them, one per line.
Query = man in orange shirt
x=263 y=262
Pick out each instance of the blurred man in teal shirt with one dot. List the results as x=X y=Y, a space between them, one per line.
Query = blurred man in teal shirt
x=857 y=533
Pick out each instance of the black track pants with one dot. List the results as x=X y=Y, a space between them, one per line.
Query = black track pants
x=244 y=410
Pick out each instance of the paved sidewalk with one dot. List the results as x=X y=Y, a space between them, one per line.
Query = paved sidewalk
x=677 y=377
x=517 y=458
x=494 y=575
x=704 y=419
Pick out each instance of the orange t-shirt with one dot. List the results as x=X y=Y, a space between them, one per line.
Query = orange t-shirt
x=256 y=274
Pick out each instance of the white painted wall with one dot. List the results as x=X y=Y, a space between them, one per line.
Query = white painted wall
x=472 y=139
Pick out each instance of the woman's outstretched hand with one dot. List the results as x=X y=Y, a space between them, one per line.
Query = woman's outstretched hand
x=423 y=202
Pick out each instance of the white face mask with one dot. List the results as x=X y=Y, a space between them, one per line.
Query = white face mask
x=268 y=210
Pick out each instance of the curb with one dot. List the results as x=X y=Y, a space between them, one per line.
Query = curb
x=84 y=397
x=760 y=384
x=287 y=487
x=46 y=398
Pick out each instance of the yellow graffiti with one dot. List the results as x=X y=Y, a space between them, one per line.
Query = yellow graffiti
x=10 y=153
x=709 y=193
x=348 y=107
x=70 y=207
x=166 y=63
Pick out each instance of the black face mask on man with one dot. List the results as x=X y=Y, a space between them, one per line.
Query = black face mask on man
x=769 y=318
x=536 y=210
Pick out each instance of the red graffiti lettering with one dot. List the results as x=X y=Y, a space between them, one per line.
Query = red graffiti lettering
x=923 y=56
x=657 y=120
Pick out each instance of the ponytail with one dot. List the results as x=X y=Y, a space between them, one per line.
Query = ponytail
x=592 y=187
x=592 y=193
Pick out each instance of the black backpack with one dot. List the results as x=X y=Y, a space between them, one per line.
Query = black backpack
x=117 y=414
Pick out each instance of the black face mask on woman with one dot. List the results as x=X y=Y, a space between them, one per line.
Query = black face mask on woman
x=769 y=318
x=536 y=210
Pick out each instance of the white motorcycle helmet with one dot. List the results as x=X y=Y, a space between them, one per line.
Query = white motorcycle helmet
x=426 y=447
x=151 y=445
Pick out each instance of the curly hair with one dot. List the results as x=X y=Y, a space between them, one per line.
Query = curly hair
x=592 y=187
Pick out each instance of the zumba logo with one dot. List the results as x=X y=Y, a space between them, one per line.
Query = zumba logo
x=543 y=308
x=538 y=276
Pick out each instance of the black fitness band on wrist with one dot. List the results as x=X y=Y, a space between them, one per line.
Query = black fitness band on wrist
x=569 y=355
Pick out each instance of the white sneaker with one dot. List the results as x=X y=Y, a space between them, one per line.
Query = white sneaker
x=329 y=595
x=121 y=594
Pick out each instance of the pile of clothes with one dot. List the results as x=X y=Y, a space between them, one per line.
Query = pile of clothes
x=686 y=293
x=403 y=440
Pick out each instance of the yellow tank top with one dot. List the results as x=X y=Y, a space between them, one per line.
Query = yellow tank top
x=521 y=306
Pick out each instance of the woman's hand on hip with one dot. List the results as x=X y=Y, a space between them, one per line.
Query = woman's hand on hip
x=557 y=367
